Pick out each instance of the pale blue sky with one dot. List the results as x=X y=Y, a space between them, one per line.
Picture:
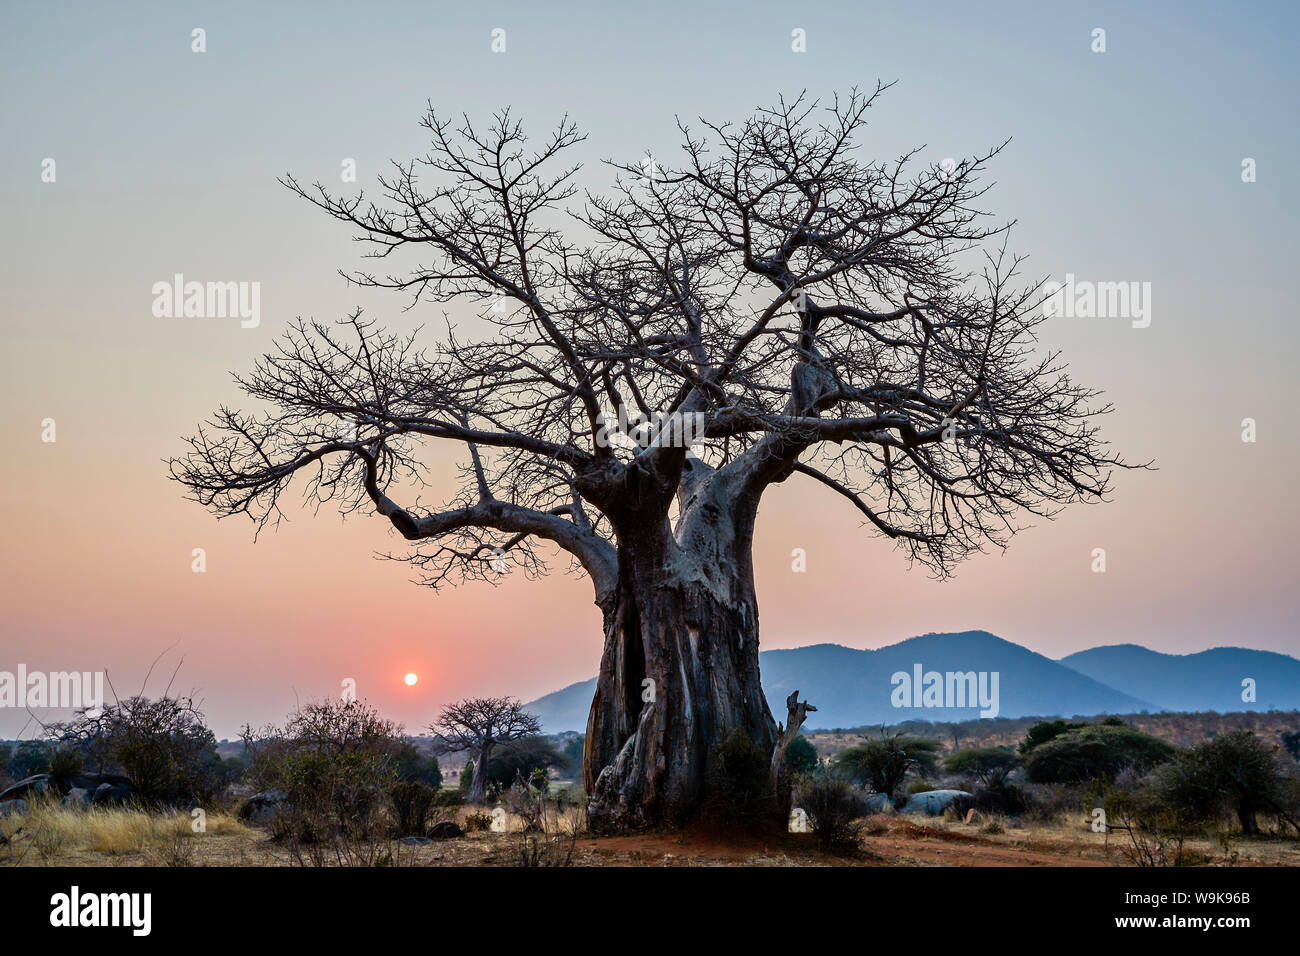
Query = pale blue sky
x=1122 y=166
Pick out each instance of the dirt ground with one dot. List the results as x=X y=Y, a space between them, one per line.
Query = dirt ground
x=886 y=841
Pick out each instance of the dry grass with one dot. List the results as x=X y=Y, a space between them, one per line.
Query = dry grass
x=54 y=835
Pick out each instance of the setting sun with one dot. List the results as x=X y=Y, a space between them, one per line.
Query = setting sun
x=410 y=679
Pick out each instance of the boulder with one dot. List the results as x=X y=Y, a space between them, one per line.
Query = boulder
x=879 y=803
x=446 y=830
x=112 y=793
x=934 y=802
x=29 y=787
x=265 y=806
x=92 y=781
x=8 y=807
x=76 y=797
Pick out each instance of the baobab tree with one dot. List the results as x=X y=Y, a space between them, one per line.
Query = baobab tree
x=479 y=724
x=854 y=324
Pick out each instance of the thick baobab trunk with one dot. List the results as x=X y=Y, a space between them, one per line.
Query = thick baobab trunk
x=679 y=672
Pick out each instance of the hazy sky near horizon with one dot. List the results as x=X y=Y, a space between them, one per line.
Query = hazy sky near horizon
x=1123 y=166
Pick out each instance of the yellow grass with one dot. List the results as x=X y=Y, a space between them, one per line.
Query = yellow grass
x=56 y=834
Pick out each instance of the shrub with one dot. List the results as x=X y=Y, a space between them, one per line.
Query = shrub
x=1156 y=833
x=334 y=760
x=412 y=802
x=520 y=758
x=161 y=744
x=1092 y=752
x=883 y=764
x=986 y=764
x=573 y=753
x=738 y=784
x=410 y=764
x=1291 y=743
x=449 y=798
x=1234 y=771
x=29 y=758
x=1043 y=731
x=832 y=804
x=801 y=756
x=1000 y=797
x=66 y=762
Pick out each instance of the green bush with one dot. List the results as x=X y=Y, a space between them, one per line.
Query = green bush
x=335 y=761
x=1232 y=772
x=29 y=758
x=1092 y=752
x=801 y=756
x=66 y=762
x=986 y=764
x=1043 y=731
x=411 y=764
x=573 y=753
x=882 y=764
x=738 y=784
x=412 y=802
x=161 y=744
x=520 y=758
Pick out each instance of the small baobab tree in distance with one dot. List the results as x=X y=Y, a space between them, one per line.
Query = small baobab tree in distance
x=855 y=324
x=478 y=724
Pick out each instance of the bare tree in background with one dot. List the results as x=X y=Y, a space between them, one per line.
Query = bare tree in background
x=837 y=319
x=478 y=724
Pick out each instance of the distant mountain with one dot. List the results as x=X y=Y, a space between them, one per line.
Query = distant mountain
x=1209 y=680
x=565 y=709
x=854 y=688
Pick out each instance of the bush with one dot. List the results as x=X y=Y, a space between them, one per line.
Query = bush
x=1232 y=772
x=884 y=763
x=412 y=802
x=1156 y=833
x=335 y=761
x=573 y=753
x=801 y=757
x=738 y=784
x=988 y=765
x=410 y=764
x=1291 y=743
x=832 y=804
x=449 y=798
x=1043 y=731
x=1000 y=797
x=160 y=744
x=519 y=758
x=66 y=762
x=31 y=757
x=1093 y=752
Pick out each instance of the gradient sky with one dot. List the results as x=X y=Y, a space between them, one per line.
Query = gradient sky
x=1122 y=166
